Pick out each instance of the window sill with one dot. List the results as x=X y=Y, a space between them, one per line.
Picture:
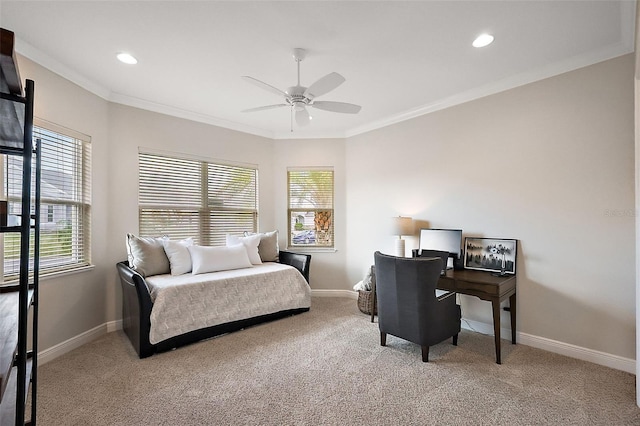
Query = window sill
x=311 y=249
x=57 y=274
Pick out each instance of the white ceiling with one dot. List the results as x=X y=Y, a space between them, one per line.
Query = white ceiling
x=400 y=59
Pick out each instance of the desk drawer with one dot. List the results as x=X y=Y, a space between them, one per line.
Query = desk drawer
x=480 y=284
x=490 y=289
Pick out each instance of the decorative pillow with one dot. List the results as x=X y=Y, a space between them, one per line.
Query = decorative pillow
x=212 y=259
x=178 y=254
x=147 y=256
x=250 y=243
x=268 y=247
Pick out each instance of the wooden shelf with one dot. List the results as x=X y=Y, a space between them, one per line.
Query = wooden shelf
x=12 y=108
x=8 y=404
x=8 y=334
x=9 y=63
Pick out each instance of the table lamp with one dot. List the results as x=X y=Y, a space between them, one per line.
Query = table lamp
x=402 y=226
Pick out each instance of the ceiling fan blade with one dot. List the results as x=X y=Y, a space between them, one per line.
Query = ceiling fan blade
x=262 y=108
x=302 y=117
x=337 y=107
x=324 y=85
x=265 y=86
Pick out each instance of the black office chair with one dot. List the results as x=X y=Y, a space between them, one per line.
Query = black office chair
x=444 y=255
x=407 y=304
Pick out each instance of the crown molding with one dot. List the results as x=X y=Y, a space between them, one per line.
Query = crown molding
x=188 y=115
x=622 y=48
x=41 y=58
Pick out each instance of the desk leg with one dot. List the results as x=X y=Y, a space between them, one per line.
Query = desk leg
x=496 y=327
x=512 y=311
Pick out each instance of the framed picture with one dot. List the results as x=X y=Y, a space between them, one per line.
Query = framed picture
x=490 y=254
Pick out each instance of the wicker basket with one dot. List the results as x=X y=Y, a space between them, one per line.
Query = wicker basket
x=365 y=302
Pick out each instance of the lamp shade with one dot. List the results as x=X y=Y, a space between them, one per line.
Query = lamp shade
x=402 y=226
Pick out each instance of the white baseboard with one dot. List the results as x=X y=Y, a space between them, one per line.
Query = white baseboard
x=114 y=325
x=335 y=293
x=608 y=360
x=68 y=345
x=602 y=358
x=566 y=349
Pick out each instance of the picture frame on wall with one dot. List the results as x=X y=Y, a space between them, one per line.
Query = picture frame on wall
x=490 y=254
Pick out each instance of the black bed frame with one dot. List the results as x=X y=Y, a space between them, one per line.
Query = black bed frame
x=137 y=304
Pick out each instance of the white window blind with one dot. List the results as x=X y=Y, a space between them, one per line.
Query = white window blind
x=184 y=198
x=65 y=200
x=310 y=194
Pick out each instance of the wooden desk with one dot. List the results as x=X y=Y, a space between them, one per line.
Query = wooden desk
x=486 y=287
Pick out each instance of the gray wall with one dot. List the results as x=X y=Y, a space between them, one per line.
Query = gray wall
x=73 y=304
x=550 y=164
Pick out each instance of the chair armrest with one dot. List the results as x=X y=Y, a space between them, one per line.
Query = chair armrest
x=301 y=262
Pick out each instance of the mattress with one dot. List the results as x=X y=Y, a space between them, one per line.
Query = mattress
x=185 y=303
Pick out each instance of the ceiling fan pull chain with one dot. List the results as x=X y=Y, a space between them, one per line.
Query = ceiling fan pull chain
x=291 y=115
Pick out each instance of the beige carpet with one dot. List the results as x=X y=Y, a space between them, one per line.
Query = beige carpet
x=326 y=367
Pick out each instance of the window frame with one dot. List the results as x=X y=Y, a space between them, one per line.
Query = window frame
x=81 y=233
x=291 y=210
x=205 y=211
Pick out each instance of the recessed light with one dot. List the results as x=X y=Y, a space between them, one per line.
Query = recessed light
x=127 y=58
x=483 y=40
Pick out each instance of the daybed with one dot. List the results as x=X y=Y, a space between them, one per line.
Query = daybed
x=165 y=311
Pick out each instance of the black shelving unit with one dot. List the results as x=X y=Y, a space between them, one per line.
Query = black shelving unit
x=18 y=363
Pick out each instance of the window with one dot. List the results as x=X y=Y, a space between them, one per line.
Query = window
x=310 y=207
x=182 y=198
x=65 y=200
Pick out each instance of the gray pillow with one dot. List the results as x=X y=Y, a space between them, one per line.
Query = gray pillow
x=147 y=256
x=268 y=248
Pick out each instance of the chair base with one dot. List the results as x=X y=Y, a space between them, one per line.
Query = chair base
x=425 y=353
x=425 y=349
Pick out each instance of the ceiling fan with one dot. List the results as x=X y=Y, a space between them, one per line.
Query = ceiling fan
x=299 y=97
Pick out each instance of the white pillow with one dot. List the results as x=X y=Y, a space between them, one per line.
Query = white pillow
x=212 y=259
x=250 y=243
x=146 y=255
x=178 y=254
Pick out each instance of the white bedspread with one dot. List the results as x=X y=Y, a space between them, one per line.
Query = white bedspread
x=189 y=302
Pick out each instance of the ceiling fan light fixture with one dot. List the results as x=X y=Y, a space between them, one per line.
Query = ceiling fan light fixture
x=483 y=40
x=126 y=58
x=298 y=97
x=299 y=54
